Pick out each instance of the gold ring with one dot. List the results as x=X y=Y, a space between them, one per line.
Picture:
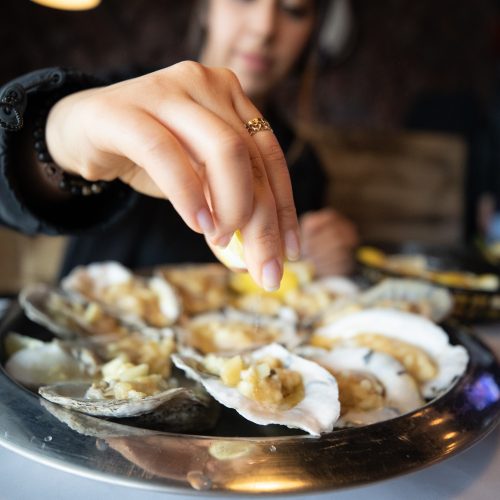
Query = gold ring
x=257 y=125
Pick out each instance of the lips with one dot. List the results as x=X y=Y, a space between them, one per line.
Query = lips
x=255 y=62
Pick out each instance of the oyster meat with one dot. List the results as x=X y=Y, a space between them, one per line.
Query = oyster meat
x=415 y=296
x=416 y=342
x=269 y=386
x=202 y=287
x=373 y=386
x=234 y=331
x=146 y=301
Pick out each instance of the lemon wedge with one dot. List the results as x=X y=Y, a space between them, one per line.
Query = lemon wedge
x=232 y=255
x=243 y=283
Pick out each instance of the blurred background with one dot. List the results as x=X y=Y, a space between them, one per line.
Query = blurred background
x=406 y=115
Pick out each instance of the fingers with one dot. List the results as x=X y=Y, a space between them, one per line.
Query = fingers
x=341 y=265
x=328 y=240
x=239 y=193
x=225 y=159
x=273 y=159
x=152 y=147
x=242 y=196
x=262 y=242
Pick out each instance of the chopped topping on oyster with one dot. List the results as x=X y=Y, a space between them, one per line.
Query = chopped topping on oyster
x=265 y=381
x=373 y=386
x=234 y=331
x=297 y=291
x=202 y=287
x=152 y=301
x=414 y=296
x=358 y=391
x=420 y=345
x=416 y=361
x=69 y=316
x=140 y=350
x=269 y=386
x=315 y=297
x=122 y=379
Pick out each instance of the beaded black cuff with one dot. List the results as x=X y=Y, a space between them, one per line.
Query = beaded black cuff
x=74 y=184
x=43 y=89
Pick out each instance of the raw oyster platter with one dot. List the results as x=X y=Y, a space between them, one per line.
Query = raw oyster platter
x=194 y=378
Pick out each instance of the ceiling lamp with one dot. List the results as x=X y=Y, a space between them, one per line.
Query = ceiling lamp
x=69 y=4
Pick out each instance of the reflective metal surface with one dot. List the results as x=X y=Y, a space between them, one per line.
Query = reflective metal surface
x=262 y=461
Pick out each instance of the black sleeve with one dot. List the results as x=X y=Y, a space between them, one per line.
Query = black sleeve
x=21 y=102
x=309 y=181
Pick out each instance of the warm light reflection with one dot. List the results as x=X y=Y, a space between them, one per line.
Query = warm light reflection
x=269 y=485
x=69 y=4
x=450 y=435
x=437 y=421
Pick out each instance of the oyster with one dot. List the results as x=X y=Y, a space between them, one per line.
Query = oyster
x=176 y=409
x=415 y=296
x=420 y=266
x=313 y=298
x=298 y=292
x=37 y=363
x=69 y=316
x=416 y=342
x=269 y=386
x=373 y=386
x=132 y=393
x=139 y=300
x=234 y=331
x=202 y=287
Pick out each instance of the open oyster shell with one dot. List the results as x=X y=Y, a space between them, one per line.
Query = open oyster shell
x=202 y=287
x=69 y=316
x=139 y=300
x=373 y=386
x=177 y=409
x=415 y=296
x=235 y=331
x=315 y=413
x=37 y=363
x=420 y=345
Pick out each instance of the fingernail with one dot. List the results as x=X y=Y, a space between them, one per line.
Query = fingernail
x=292 y=245
x=205 y=221
x=271 y=275
x=223 y=241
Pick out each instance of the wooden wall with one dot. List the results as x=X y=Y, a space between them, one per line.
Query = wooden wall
x=396 y=186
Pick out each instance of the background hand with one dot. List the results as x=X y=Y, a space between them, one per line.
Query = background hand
x=328 y=241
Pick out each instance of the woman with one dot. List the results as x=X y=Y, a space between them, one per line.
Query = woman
x=178 y=133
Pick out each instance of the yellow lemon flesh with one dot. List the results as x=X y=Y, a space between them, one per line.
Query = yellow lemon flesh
x=243 y=283
x=232 y=255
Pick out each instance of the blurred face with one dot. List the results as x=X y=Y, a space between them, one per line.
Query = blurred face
x=260 y=40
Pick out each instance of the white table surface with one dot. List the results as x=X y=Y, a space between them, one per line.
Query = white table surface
x=473 y=474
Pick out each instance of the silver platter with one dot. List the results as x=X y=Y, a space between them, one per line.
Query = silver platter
x=246 y=459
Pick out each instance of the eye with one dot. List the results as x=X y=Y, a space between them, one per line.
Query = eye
x=296 y=9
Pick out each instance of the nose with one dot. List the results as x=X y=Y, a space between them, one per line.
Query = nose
x=263 y=18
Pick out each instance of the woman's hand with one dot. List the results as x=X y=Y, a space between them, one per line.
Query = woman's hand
x=328 y=241
x=179 y=133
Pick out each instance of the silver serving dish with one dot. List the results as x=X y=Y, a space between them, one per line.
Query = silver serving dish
x=247 y=459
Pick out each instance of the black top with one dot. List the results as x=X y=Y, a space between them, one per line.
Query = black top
x=122 y=225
